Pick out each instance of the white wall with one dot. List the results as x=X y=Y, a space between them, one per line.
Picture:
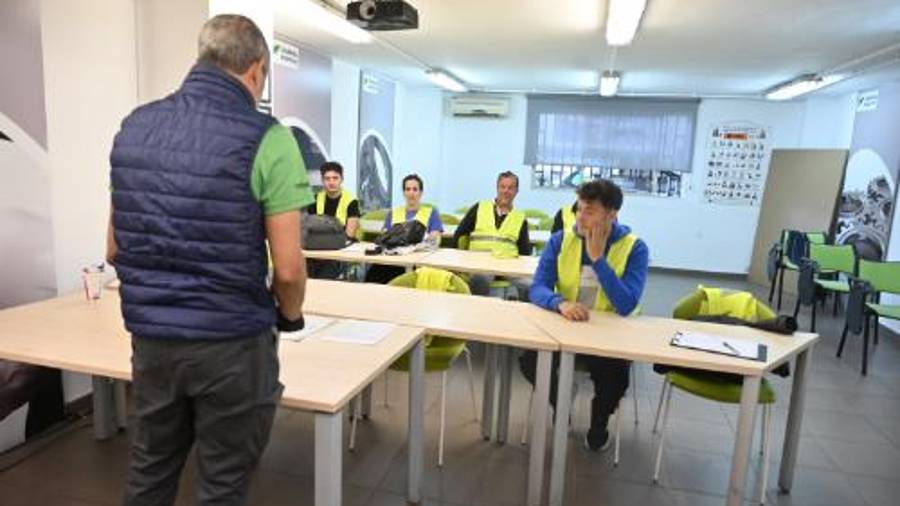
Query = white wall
x=682 y=233
x=90 y=75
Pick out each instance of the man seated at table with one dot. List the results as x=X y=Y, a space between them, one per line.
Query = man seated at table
x=335 y=201
x=618 y=260
x=428 y=216
x=495 y=227
x=564 y=218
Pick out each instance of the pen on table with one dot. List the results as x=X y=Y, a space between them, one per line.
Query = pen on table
x=730 y=347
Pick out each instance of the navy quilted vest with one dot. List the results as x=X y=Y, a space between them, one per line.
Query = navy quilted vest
x=190 y=234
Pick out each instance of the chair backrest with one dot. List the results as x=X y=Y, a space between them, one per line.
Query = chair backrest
x=376 y=215
x=834 y=258
x=449 y=219
x=817 y=237
x=882 y=276
x=408 y=280
x=535 y=213
x=706 y=301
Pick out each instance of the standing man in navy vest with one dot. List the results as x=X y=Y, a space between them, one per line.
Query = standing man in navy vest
x=200 y=181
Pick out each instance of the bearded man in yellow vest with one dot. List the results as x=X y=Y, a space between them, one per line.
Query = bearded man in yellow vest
x=335 y=201
x=618 y=260
x=495 y=227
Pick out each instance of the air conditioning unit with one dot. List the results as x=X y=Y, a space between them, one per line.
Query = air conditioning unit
x=479 y=107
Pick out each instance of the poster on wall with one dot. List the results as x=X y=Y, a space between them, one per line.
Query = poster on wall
x=376 y=141
x=737 y=158
x=303 y=94
x=869 y=192
x=31 y=397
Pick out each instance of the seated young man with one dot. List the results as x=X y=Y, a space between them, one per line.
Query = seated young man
x=619 y=261
x=335 y=201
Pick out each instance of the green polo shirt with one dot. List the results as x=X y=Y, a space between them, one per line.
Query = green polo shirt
x=278 y=179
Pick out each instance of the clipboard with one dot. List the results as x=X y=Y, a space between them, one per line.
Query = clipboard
x=748 y=350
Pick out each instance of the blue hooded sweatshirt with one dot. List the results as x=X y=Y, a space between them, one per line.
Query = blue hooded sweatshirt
x=624 y=293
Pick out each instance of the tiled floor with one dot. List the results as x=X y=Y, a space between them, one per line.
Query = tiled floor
x=849 y=452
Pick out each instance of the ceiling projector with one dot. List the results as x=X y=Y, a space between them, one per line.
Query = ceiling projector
x=383 y=15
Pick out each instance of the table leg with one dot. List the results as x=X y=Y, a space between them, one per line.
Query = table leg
x=328 y=456
x=538 y=419
x=120 y=394
x=561 y=428
x=416 y=430
x=103 y=407
x=487 y=399
x=503 y=400
x=794 y=422
x=740 y=460
x=367 y=402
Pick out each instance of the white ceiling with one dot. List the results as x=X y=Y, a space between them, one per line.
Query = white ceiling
x=692 y=47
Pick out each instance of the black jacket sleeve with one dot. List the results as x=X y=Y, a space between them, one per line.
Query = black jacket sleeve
x=524 y=242
x=466 y=226
x=557 y=222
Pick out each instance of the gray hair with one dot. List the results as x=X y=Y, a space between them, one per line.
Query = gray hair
x=232 y=42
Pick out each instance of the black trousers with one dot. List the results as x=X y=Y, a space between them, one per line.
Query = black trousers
x=609 y=375
x=324 y=269
x=219 y=396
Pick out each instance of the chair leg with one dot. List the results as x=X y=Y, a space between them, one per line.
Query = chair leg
x=843 y=339
x=471 y=382
x=662 y=436
x=877 y=326
x=634 y=392
x=618 y=433
x=837 y=301
x=659 y=405
x=766 y=443
x=772 y=285
x=797 y=308
x=780 y=287
x=443 y=419
x=527 y=423
x=812 y=322
x=865 y=355
x=355 y=413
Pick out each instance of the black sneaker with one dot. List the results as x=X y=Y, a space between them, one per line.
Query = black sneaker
x=597 y=444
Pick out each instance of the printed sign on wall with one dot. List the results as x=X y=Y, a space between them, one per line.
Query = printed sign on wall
x=376 y=140
x=737 y=159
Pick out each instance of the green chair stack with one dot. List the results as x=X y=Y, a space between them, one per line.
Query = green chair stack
x=440 y=354
x=834 y=265
x=712 y=386
x=882 y=277
x=785 y=264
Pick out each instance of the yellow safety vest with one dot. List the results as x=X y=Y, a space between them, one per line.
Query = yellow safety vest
x=740 y=305
x=568 y=266
x=568 y=217
x=398 y=215
x=343 y=204
x=487 y=237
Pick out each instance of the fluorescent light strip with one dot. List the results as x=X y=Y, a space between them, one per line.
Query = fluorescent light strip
x=329 y=21
x=623 y=20
x=800 y=86
x=609 y=83
x=447 y=81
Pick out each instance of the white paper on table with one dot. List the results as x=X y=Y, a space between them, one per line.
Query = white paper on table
x=311 y=323
x=356 y=247
x=717 y=344
x=356 y=332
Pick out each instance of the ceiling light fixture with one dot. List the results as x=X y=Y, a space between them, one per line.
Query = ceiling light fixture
x=331 y=21
x=804 y=84
x=622 y=21
x=446 y=80
x=609 y=83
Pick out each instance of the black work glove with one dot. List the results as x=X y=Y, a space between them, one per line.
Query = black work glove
x=285 y=325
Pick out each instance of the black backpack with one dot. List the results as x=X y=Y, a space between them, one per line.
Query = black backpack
x=323 y=232
x=407 y=233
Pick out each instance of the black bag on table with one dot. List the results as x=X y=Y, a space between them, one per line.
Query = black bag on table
x=407 y=233
x=323 y=232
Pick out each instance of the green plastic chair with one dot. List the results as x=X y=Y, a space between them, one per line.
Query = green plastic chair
x=376 y=215
x=883 y=277
x=462 y=210
x=535 y=214
x=785 y=264
x=449 y=219
x=713 y=387
x=440 y=354
x=544 y=224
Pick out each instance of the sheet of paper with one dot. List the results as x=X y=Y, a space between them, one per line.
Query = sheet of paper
x=312 y=324
x=356 y=332
x=717 y=344
x=356 y=247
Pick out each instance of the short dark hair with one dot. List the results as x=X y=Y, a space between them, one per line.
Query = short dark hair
x=603 y=191
x=331 y=167
x=508 y=173
x=413 y=177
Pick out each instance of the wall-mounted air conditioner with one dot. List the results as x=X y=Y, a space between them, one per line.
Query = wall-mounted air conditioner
x=479 y=106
